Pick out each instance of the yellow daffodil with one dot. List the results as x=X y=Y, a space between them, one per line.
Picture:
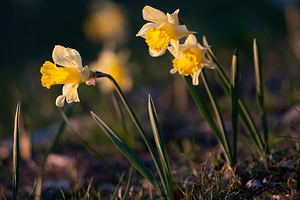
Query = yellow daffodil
x=114 y=64
x=71 y=74
x=190 y=59
x=162 y=30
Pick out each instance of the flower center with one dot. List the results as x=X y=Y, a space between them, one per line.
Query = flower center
x=52 y=75
x=157 y=39
x=188 y=64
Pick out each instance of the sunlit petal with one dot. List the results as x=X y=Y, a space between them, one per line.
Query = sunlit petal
x=60 y=101
x=66 y=57
x=145 y=29
x=70 y=92
x=154 y=15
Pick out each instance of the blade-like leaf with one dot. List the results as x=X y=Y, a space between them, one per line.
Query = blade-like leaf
x=16 y=152
x=243 y=111
x=260 y=92
x=226 y=144
x=126 y=151
x=234 y=94
x=161 y=146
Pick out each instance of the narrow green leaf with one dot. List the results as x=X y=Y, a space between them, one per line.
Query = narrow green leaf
x=161 y=146
x=16 y=152
x=260 y=92
x=87 y=146
x=199 y=100
x=226 y=143
x=243 y=111
x=234 y=94
x=120 y=114
x=140 y=129
x=126 y=151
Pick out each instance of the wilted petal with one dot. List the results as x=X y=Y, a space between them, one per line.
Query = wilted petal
x=154 y=15
x=154 y=53
x=60 y=101
x=66 y=57
x=70 y=92
x=145 y=29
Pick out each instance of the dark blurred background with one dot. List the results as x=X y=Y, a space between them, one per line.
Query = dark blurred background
x=30 y=29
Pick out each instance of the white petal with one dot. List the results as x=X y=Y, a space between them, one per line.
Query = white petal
x=210 y=65
x=60 y=101
x=70 y=92
x=191 y=41
x=66 y=57
x=173 y=70
x=85 y=74
x=155 y=53
x=202 y=48
x=145 y=29
x=154 y=15
x=173 y=18
x=175 y=44
x=182 y=31
x=196 y=76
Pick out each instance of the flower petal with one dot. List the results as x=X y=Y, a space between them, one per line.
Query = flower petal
x=60 y=101
x=154 y=15
x=177 y=54
x=154 y=53
x=191 y=41
x=173 y=18
x=196 y=76
x=173 y=70
x=145 y=29
x=66 y=57
x=70 y=92
x=182 y=31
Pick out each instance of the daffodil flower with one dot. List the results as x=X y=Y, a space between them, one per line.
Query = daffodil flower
x=71 y=74
x=162 y=30
x=190 y=59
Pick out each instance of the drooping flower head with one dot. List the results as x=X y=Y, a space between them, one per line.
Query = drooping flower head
x=162 y=30
x=114 y=64
x=190 y=59
x=71 y=74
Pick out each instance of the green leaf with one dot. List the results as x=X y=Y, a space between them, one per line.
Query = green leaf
x=260 y=92
x=16 y=152
x=225 y=144
x=243 y=111
x=161 y=147
x=234 y=94
x=126 y=151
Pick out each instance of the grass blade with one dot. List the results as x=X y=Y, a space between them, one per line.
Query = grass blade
x=126 y=151
x=260 y=92
x=243 y=111
x=161 y=147
x=16 y=152
x=234 y=94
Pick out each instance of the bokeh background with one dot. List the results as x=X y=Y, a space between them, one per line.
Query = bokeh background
x=30 y=29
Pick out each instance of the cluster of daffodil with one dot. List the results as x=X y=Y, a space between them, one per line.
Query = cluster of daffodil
x=163 y=32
